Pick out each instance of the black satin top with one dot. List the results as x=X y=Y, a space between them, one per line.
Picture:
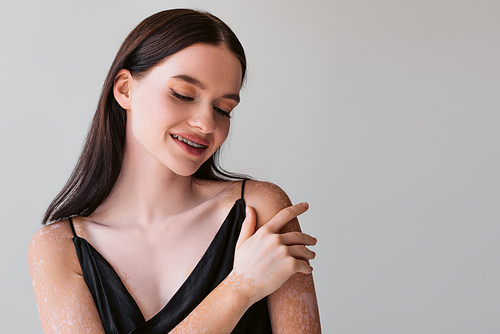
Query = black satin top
x=118 y=310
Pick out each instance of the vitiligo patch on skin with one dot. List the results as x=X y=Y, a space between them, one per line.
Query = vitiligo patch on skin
x=64 y=302
x=269 y=192
x=220 y=311
x=232 y=194
x=294 y=308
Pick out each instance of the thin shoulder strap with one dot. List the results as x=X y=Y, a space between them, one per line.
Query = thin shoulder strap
x=243 y=188
x=72 y=227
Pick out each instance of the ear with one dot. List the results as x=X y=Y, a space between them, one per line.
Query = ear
x=122 y=88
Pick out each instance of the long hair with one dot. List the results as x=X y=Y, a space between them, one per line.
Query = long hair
x=99 y=165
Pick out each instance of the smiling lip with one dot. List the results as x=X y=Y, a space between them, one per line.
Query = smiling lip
x=189 y=148
x=193 y=138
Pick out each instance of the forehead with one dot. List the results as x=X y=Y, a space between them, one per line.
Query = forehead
x=214 y=66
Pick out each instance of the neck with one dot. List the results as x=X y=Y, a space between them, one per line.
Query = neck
x=146 y=191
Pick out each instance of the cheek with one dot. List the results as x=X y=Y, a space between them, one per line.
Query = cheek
x=223 y=131
x=151 y=119
x=146 y=132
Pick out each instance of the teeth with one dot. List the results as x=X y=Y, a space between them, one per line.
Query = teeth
x=189 y=142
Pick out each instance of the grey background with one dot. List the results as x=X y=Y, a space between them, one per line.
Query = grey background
x=383 y=115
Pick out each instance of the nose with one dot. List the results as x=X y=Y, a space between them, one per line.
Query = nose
x=203 y=119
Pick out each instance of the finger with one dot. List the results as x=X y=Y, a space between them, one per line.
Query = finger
x=301 y=252
x=285 y=215
x=301 y=266
x=248 y=226
x=297 y=238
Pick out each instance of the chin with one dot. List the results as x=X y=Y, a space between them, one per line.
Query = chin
x=185 y=170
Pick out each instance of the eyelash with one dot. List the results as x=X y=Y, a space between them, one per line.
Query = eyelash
x=190 y=99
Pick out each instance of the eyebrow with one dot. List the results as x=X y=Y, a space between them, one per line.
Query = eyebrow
x=199 y=84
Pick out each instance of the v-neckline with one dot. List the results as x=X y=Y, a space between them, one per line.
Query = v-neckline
x=186 y=281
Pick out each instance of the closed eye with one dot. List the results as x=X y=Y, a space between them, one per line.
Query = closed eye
x=190 y=99
x=181 y=97
x=222 y=112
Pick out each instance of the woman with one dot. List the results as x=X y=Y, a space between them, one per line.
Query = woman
x=150 y=235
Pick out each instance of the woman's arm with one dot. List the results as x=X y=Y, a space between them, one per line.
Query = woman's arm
x=64 y=301
x=264 y=260
x=263 y=263
x=293 y=307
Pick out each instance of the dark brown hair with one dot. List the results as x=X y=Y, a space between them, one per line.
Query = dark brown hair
x=154 y=39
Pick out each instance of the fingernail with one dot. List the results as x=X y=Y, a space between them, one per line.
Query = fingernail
x=305 y=205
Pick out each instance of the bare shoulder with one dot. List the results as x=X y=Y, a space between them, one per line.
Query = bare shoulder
x=223 y=193
x=268 y=199
x=52 y=246
x=296 y=296
x=64 y=301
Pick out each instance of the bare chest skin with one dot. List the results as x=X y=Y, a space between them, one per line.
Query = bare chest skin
x=154 y=262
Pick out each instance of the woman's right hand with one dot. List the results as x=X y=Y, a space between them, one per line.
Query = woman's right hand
x=266 y=259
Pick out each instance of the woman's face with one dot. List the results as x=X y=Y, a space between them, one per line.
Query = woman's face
x=179 y=111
